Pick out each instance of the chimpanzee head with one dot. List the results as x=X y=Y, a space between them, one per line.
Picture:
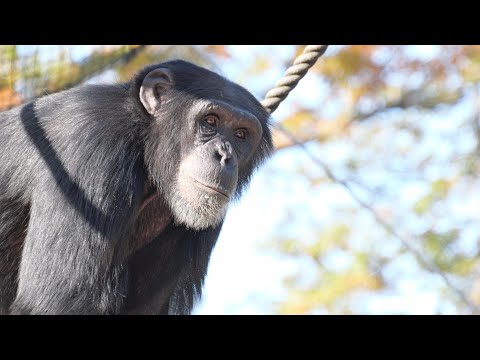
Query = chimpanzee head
x=205 y=136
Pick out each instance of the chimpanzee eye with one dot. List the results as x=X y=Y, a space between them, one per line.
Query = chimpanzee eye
x=211 y=119
x=241 y=134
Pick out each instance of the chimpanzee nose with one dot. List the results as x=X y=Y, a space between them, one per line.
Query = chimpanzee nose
x=224 y=150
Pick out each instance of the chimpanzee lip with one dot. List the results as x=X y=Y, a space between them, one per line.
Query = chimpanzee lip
x=217 y=190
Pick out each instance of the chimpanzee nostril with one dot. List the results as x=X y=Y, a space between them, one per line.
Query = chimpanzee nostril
x=218 y=156
x=224 y=150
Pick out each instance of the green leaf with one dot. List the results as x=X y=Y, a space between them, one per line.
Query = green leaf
x=335 y=236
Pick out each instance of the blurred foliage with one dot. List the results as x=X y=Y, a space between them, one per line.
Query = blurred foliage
x=27 y=72
x=408 y=118
x=401 y=124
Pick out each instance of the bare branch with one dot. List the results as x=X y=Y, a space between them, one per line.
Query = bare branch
x=411 y=99
x=426 y=263
x=92 y=66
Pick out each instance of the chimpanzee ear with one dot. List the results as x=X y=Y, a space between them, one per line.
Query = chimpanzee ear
x=153 y=86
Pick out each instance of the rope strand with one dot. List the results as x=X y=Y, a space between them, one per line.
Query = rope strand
x=292 y=76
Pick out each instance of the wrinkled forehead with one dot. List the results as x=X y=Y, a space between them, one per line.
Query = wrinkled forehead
x=209 y=85
x=230 y=112
x=207 y=104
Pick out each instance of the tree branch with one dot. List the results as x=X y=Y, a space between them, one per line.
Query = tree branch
x=93 y=65
x=426 y=263
x=422 y=99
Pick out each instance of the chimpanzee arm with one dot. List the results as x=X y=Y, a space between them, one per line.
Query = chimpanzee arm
x=70 y=261
x=88 y=186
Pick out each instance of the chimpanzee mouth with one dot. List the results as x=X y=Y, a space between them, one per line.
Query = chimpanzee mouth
x=217 y=190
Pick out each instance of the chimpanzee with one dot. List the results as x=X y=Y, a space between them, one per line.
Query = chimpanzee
x=112 y=196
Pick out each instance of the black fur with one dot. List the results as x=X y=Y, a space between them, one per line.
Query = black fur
x=74 y=169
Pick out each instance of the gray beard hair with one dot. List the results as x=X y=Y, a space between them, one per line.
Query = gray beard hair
x=195 y=209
